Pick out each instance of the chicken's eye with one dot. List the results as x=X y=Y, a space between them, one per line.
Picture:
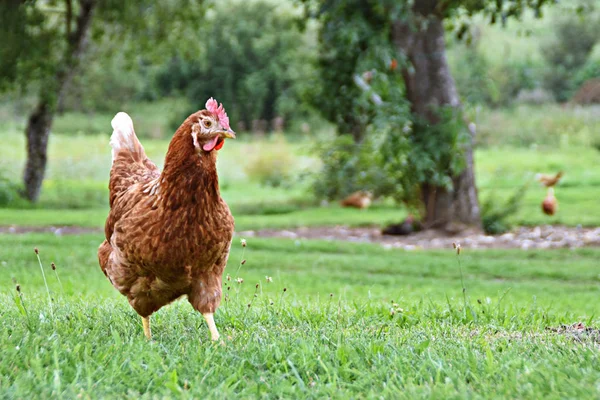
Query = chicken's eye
x=207 y=124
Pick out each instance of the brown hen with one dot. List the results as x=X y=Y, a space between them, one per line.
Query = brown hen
x=168 y=234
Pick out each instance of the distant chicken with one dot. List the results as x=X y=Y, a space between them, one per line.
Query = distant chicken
x=406 y=227
x=168 y=233
x=549 y=180
x=360 y=199
x=550 y=204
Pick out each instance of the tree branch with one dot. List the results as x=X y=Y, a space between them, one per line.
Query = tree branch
x=69 y=18
x=76 y=43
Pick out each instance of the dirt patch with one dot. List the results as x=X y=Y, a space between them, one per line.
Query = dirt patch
x=57 y=230
x=544 y=237
x=540 y=237
x=578 y=332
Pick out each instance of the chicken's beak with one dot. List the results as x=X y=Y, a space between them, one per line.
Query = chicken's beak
x=228 y=134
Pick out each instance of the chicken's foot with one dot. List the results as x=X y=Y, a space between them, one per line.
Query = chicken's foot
x=214 y=334
x=146 y=324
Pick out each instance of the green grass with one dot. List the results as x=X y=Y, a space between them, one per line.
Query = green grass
x=307 y=343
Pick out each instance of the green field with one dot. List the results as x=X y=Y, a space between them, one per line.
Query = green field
x=330 y=334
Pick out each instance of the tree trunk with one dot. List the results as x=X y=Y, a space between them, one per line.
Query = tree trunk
x=430 y=85
x=52 y=93
x=37 y=133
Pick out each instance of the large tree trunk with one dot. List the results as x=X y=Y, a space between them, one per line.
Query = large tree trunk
x=39 y=124
x=429 y=85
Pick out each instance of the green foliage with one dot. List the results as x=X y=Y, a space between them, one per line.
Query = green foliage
x=472 y=76
x=480 y=82
x=274 y=168
x=495 y=214
x=347 y=167
x=354 y=39
x=590 y=70
x=255 y=60
x=106 y=84
x=39 y=38
x=395 y=158
x=436 y=151
x=9 y=190
x=568 y=52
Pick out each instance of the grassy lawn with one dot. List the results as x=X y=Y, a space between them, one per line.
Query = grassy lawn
x=331 y=334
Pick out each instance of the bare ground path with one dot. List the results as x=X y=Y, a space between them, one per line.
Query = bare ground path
x=539 y=237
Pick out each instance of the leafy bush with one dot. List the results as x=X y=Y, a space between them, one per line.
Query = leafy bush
x=395 y=158
x=512 y=78
x=349 y=166
x=479 y=82
x=568 y=52
x=273 y=168
x=254 y=59
x=9 y=190
x=495 y=213
x=472 y=76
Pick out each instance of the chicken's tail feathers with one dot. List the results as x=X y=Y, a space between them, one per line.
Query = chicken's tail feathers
x=123 y=137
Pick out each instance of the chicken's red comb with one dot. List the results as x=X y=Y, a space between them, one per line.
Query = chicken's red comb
x=218 y=110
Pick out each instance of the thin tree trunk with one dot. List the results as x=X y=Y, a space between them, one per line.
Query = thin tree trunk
x=37 y=133
x=429 y=85
x=39 y=124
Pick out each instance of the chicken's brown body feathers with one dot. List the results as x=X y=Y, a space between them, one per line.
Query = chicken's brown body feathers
x=167 y=235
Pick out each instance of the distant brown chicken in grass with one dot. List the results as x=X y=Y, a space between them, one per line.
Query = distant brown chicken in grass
x=360 y=199
x=550 y=204
x=168 y=234
x=549 y=180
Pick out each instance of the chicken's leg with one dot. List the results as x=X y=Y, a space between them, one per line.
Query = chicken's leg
x=214 y=334
x=146 y=324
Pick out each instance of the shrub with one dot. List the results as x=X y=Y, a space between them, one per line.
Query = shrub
x=274 y=167
x=9 y=190
x=568 y=52
x=495 y=213
x=349 y=166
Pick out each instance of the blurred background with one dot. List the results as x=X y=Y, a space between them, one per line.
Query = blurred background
x=320 y=95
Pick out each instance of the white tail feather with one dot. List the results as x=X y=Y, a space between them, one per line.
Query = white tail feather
x=123 y=136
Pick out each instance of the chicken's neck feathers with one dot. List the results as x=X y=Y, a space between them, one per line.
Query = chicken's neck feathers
x=188 y=175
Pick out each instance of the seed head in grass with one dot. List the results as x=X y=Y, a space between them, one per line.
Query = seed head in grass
x=243 y=242
x=18 y=287
x=35 y=249
x=243 y=262
x=457 y=247
x=268 y=279
x=239 y=281
x=53 y=266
